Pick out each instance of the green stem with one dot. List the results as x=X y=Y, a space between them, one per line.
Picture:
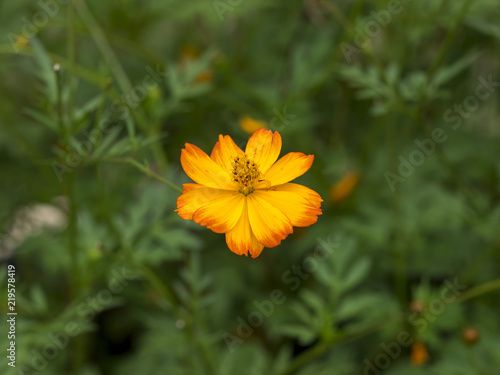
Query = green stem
x=145 y=170
x=100 y=110
x=79 y=344
x=305 y=358
x=448 y=40
x=103 y=45
x=479 y=290
x=167 y=294
x=322 y=346
x=71 y=59
x=121 y=77
x=60 y=116
x=349 y=29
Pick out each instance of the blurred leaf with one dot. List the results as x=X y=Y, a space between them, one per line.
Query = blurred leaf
x=46 y=72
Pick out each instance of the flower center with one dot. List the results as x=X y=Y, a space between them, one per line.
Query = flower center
x=246 y=173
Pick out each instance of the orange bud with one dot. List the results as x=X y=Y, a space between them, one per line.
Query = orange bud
x=342 y=189
x=419 y=354
x=470 y=335
x=417 y=307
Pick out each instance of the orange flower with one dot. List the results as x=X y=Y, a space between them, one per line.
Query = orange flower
x=250 y=126
x=342 y=189
x=248 y=195
x=419 y=354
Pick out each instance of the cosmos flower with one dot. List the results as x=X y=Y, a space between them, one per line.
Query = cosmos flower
x=248 y=195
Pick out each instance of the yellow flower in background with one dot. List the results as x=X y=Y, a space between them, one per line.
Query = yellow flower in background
x=419 y=354
x=342 y=189
x=248 y=195
x=250 y=126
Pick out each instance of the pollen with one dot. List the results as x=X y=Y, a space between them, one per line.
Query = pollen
x=246 y=174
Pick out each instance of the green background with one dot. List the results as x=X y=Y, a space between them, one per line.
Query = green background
x=122 y=285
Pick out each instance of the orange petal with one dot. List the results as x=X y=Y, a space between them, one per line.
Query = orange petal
x=303 y=191
x=194 y=196
x=288 y=168
x=264 y=147
x=269 y=224
x=204 y=170
x=241 y=240
x=221 y=214
x=298 y=209
x=225 y=151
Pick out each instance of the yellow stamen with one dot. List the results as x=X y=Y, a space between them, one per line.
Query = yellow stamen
x=246 y=173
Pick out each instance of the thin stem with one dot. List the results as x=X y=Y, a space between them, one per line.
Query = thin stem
x=448 y=40
x=322 y=346
x=103 y=45
x=71 y=59
x=479 y=290
x=59 y=104
x=349 y=28
x=79 y=343
x=100 y=110
x=305 y=358
x=145 y=170
x=119 y=73
x=167 y=294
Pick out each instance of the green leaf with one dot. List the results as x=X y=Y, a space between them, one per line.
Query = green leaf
x=131 y=133
x=88 y=107
x=303 y=334
x=446 y=73
x=355 y=274
x=42 y=118
x=355 y=306
x=102 y=148
x=46 y=72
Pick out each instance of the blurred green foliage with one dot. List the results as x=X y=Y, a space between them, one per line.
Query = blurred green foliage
x=98 y=98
